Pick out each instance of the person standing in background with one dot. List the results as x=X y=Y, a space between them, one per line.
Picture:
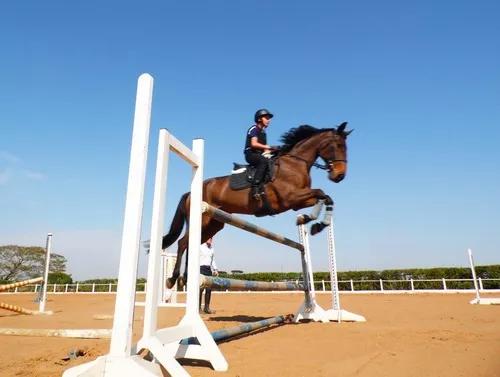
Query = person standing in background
x=207 y=268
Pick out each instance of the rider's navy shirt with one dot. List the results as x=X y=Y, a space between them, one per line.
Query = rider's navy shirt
x=255 y=131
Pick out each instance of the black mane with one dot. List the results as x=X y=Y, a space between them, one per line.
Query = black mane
x=297 y=134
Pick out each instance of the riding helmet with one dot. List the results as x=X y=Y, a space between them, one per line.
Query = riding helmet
x=260 y=113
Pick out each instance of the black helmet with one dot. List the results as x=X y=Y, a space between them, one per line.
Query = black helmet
x=260 y=113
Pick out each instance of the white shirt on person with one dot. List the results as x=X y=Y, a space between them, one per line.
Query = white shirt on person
x=207 y=257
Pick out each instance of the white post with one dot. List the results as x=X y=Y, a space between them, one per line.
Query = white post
x=119 y=361
x=471 y=261
x=93 y=287
x=336 y=313
x=310 y=308
x=76 y=290
x=43 y=299
x=480 y=284
x=155 y=243
x=195 y=215
x=381 y=285
x=352 y=286
x=121 y=337
x=411 y=284
x=66 y=288
x=323 y=285
x=444 y=284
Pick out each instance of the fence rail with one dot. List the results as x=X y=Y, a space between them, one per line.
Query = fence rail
x=360 y=286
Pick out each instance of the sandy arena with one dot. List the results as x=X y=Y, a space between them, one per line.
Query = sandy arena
x=432 y=335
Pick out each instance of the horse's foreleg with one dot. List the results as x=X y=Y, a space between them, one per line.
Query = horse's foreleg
x=317 y=198
x=327 y=218
x=304 y=219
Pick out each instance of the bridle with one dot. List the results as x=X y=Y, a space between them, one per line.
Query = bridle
x=328 y=165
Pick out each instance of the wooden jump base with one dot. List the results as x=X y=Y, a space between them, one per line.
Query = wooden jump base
x=60 y=333
x=228 y=218
x=16 y=308
x=244 y=328
x=248 y=285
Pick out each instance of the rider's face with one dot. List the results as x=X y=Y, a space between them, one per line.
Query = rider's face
x=265 y=120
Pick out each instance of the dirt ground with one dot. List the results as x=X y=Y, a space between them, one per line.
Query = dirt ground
x=432 y=335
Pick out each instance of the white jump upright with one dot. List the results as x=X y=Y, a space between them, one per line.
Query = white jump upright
x=121 y=361
x=43 y=293
x=478 y=299
x=164 y=343
x=336 y=313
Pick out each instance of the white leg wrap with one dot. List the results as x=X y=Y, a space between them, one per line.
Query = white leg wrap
x=328 y=215
x=316 y=209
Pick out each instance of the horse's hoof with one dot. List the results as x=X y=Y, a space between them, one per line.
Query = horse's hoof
x=316 y=228
x=303 y=219
x=181 y=282
x=170 y=283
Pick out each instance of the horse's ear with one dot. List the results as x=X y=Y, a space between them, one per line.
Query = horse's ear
x=347 y=133
x=342 y=127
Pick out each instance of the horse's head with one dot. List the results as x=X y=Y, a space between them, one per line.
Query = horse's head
x=333 y=150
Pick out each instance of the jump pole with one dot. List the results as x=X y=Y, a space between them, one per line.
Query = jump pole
x=245 y=328
x=16 y=308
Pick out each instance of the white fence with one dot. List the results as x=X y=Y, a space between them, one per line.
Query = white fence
x=346 y=286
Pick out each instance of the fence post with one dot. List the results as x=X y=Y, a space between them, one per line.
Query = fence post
x=444 y=284
x=480 y=284
x=109 y=288
x=381 y=285
x=411 y=284
x=76 y=291
x=54 y=289
x=66 y=289
x=323 y=285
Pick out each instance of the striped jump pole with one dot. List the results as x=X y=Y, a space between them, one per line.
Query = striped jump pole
x=20 y=283
x=244 y=328
x=227 y=218
x=248 y=285
x=16 y=308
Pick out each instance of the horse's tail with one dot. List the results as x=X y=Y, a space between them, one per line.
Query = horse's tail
x=177 y=223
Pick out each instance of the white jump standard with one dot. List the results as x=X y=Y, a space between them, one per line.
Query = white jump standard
x=478 y=299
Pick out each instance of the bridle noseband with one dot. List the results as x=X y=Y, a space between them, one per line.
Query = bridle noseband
x=328 y=165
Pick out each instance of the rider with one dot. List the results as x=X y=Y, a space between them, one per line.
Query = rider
x=255 y=145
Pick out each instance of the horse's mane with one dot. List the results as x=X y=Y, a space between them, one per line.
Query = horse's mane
x=297 y=134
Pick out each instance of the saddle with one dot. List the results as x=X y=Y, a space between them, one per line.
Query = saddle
x=242 y=175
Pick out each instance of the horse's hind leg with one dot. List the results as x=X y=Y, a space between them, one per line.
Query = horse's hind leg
x=181 y=247
x=209 y=228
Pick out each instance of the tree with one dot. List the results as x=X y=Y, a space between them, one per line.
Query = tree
x=26 y=262
x=60 y=278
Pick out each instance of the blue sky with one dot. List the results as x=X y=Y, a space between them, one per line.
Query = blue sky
x=419 y=82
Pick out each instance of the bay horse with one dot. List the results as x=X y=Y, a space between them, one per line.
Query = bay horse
x=290 y=187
